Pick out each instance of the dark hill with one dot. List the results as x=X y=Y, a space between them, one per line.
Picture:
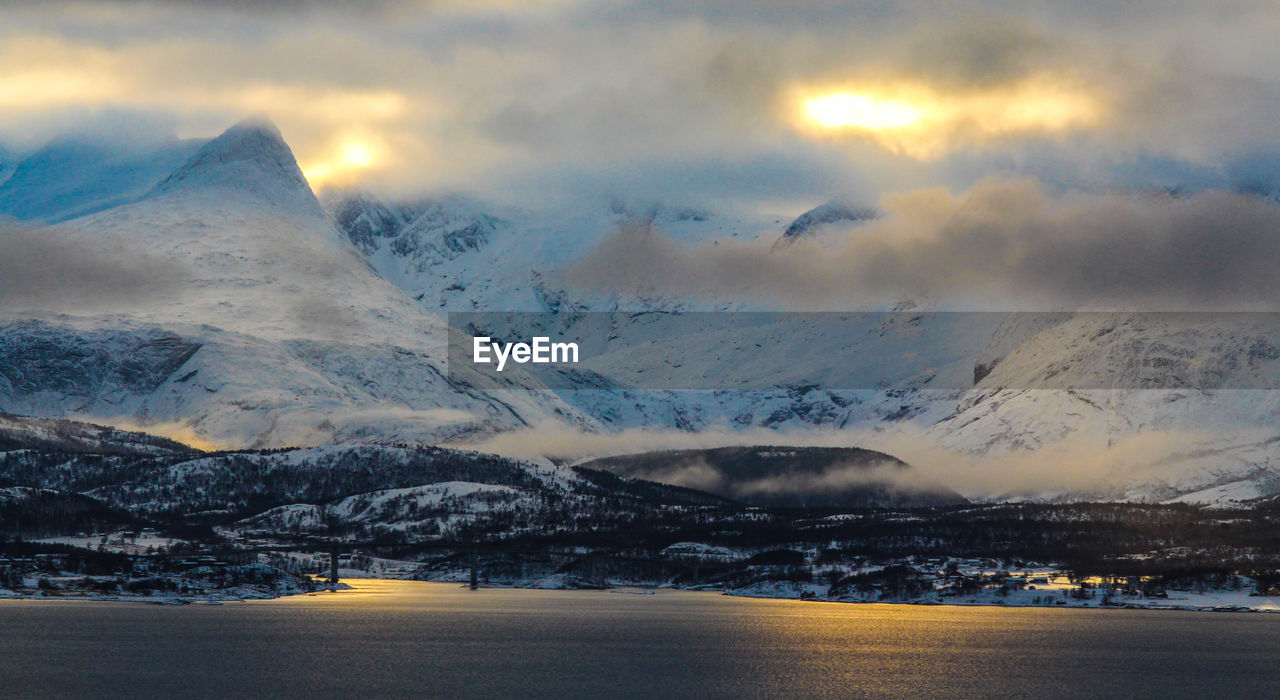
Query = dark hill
x=767 y=475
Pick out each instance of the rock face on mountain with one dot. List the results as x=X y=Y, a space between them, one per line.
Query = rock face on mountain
x=38 y=359
x=427 y=232
x=366 y=221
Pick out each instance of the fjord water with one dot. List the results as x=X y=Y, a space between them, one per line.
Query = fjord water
x=410 y=639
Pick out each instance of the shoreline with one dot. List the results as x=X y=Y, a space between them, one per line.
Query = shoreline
x=1225 y=601
x=352 y=584
x=994 y=604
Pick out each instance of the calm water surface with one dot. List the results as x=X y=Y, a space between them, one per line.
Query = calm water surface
x=407 y=639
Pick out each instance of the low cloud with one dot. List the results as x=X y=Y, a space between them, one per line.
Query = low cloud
x=694 y=475
x=1001 y=245
x=835 y=479
x=1089 y=463
x=177 y=430
x=1086 y=463
x=42 y=271
x=325 y=318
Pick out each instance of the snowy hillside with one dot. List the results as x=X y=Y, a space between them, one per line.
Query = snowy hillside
x=74 y=176
x=363 y=493
x=1201 y=385
x=276 y=331
x=55 y=435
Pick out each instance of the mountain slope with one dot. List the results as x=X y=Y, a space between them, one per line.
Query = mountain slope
x=75 y=176
x=277 y=332
x=454 y=253
x=285 y=322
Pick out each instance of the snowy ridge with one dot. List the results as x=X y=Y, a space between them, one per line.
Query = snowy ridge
x=74 y=176
x=832 y=212
x=250 y=156
x=359 y=493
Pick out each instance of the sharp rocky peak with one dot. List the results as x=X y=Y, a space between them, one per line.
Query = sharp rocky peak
x=251 y=155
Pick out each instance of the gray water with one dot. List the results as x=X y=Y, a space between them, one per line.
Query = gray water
x=406 y=639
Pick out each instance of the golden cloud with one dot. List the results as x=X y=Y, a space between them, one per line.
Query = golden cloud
x=336 y=129
x=924 y=122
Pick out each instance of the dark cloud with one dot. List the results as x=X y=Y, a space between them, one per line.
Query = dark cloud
x=799 y=175
x=1257 y=172
x=980 y=51
x=267 y=6
x=465 y=93
x=1000 y=245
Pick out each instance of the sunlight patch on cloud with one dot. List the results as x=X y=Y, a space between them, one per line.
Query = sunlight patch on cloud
x=43 y=73
x=923 y=122
x=345 y=160
x=848 y=110
x=338 y=130
x=177 y=431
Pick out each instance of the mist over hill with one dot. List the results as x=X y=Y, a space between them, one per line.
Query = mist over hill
x=820 y=477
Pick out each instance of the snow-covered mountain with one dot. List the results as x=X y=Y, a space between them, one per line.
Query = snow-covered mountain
x=66 y=436
x=455 y=253
x=1201 y=387
x=1076 y=385
x=76 y=175
x=280 y=320
x=276 y=332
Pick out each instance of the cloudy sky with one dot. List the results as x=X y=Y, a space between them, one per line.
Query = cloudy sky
x=719 y=100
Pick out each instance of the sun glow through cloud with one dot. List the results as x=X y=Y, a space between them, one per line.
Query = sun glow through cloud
x=923 y=122
x=344 y=162
x=845 y=110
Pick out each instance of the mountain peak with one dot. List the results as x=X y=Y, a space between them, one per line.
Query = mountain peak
x=251 y=155
x=828 y=213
